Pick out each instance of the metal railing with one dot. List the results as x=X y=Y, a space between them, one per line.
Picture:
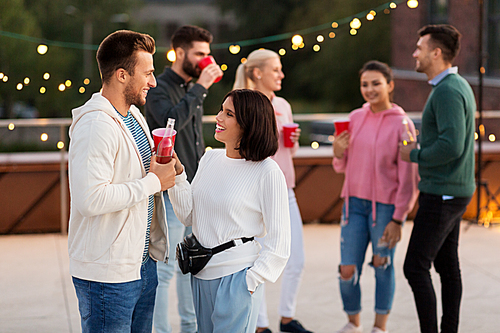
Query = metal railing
x=64 y=123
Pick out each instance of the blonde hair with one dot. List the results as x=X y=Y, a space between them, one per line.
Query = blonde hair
x=244 y=74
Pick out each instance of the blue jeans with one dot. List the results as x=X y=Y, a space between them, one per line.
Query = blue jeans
x=434 y=239
x=356 y=234
x=118 y=307
x=176 y=232
x=225 y=305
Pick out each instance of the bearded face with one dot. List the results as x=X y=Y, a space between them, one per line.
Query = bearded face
x=191 y=68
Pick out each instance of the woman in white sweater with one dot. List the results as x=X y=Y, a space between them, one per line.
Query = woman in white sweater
x=238 y=192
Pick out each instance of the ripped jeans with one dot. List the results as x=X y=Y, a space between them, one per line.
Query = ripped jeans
x=356 y=234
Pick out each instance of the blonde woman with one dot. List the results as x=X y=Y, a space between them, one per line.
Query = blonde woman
x=263 y=72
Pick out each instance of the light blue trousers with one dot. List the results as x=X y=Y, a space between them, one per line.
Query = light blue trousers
x=225 y=305
x=176 y=232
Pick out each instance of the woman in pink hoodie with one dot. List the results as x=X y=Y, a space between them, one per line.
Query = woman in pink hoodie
x=379 y=191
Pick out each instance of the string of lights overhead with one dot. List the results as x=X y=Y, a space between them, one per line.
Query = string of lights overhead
x=296 y=38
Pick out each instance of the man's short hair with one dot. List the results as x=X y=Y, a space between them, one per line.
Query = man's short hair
x=186 y=35
x=443 y=36
x=118 y=51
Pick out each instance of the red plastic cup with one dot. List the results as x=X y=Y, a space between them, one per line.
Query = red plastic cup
x=341 y=126
x=207 y=61
x=288 y=129
x=164 y=151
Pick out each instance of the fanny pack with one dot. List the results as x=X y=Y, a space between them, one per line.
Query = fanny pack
x=192 y=256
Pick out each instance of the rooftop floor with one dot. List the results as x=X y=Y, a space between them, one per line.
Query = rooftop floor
x=37 y=294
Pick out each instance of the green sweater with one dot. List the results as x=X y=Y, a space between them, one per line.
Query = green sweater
x=446 y=157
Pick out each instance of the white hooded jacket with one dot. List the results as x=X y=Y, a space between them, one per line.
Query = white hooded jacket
x=109 y=191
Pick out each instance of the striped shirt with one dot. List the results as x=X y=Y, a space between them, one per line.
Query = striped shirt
x=142 y=143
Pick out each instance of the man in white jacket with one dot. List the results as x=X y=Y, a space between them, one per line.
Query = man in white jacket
x=117 y=227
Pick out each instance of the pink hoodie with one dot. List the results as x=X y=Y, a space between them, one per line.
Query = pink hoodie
x=371 y=163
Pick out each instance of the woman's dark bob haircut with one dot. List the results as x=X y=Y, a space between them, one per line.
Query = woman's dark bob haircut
x=255 y=115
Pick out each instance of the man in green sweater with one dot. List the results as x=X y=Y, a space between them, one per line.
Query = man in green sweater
x=446 y=166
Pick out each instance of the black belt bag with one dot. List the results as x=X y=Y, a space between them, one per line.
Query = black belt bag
x=192 y=256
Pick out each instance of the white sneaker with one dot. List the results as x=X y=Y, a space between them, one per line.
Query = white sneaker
x=378 y=330
x=351 y=328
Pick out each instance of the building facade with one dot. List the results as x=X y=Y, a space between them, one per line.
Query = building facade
x=412 y=88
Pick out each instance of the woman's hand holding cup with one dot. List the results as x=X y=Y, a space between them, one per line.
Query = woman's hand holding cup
x=340 y=144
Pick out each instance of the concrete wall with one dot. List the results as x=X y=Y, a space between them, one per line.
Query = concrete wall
x=318 y=190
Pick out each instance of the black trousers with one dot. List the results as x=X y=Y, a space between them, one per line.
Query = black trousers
x=434 y=239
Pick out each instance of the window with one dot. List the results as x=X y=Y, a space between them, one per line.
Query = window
x=438 y=11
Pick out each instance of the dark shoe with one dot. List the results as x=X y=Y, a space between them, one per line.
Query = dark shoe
x=293 y=327
x=267 y=330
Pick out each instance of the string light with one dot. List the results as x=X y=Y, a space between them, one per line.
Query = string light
x=481 y=130
x=355 y=23
x=476 y=136
x=297 y=40
x=234 y=49
x=44 y=137
x=207 y=148
x=11 y=126
x=412 y=3
x=492 y=137
x=314 y=145
x=42 y=49
x=171 y=56
x=60 y=145
x=44 y=44
x=371 y=15
x=243 y=60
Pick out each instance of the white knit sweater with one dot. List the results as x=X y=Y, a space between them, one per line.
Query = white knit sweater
x=233 y=198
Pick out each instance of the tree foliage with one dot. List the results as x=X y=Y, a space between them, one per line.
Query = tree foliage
x=330 y=76
x=56 y=20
